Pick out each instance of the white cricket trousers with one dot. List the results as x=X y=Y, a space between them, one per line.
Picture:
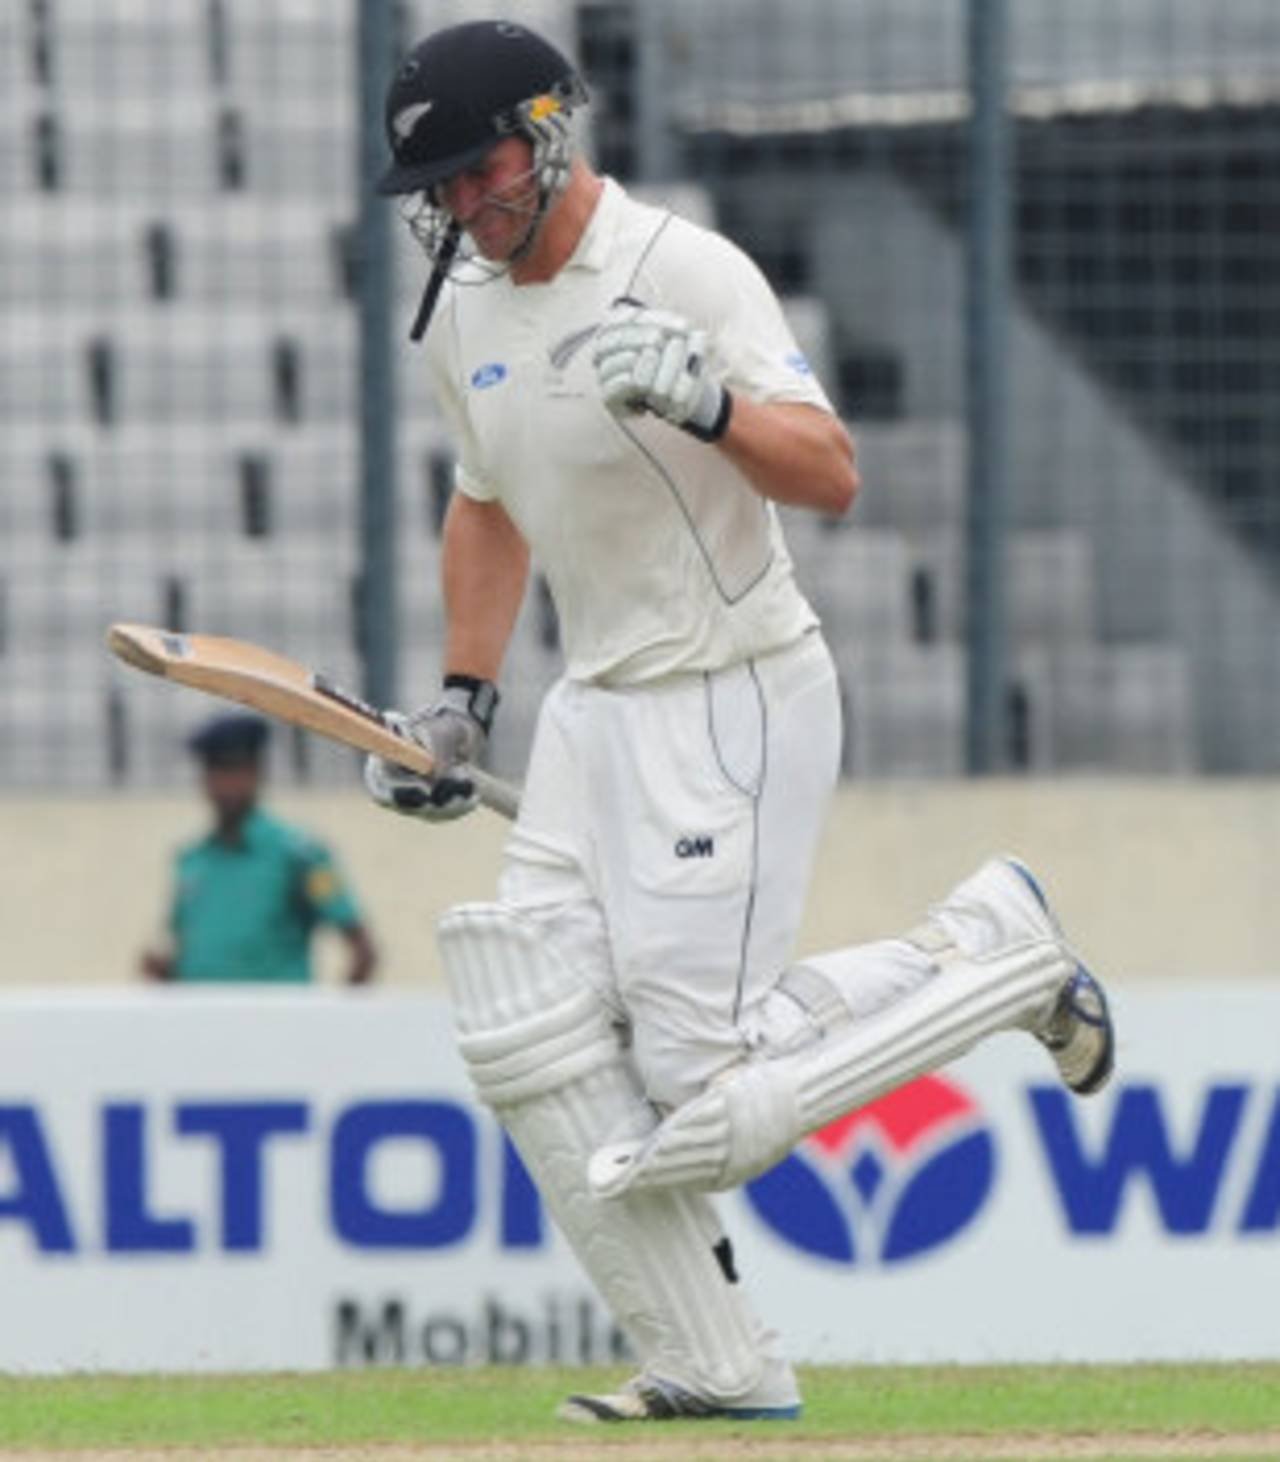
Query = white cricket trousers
x=665 y=842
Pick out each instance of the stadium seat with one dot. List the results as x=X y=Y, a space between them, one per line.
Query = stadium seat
x=913 y=475
x=904 y=710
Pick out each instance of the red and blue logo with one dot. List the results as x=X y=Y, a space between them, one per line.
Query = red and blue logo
x=888 y=1182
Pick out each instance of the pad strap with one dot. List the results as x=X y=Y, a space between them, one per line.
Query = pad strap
x=816 y=995
x=931 y=939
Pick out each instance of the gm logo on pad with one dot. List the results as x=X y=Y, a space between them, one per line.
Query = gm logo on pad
x=888 y=1182
x=488 y=375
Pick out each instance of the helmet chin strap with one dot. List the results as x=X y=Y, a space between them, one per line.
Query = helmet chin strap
x=435 y=282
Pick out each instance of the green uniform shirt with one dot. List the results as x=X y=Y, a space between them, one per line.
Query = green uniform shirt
x=246 y=912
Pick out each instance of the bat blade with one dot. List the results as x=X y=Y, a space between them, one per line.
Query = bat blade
x=240 y=671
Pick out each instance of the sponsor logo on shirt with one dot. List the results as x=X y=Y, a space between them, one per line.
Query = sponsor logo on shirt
x=488 y=375
x=700 y=845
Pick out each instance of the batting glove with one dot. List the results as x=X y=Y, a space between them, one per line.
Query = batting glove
x=652 y=360
x=455 y=730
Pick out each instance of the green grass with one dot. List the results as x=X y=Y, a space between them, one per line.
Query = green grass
x=511 y=1405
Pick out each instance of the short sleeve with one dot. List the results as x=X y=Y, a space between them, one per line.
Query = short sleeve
x=708 y=279
x=324 y=892
x=183 y=879
x=444 y=362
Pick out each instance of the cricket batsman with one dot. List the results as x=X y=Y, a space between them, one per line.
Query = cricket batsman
x=627 y=405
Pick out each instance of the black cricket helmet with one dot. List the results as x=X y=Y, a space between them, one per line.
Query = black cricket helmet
x=465 y=88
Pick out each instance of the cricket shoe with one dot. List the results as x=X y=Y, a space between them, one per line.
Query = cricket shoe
x=999 y=906
x=645 y=1398
x=1081 y=1036
x=1003 y=903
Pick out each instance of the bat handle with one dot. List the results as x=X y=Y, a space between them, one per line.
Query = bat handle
x=499 y=796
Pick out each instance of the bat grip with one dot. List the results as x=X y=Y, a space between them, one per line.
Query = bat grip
x=499 y=796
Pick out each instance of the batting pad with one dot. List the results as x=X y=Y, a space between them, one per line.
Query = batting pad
x=545 y=1056
x=753 y=1116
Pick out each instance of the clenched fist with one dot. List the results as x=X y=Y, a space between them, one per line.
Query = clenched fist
x=653 y=360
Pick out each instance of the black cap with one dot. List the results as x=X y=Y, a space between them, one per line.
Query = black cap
x=461 y=91
x=230 y=740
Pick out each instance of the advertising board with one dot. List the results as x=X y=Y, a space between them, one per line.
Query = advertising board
x=294 y=1180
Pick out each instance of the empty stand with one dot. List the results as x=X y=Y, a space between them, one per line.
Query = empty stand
x=178 y=432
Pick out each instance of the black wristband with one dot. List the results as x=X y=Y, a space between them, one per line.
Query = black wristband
x=482 y=698
x=719 y=426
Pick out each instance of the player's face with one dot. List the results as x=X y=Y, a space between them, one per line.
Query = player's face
x=494 y=198
x=232 y=789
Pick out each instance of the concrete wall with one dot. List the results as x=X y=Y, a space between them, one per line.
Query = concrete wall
x=1152 y=879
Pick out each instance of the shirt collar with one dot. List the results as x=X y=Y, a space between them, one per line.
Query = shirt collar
x=593 y=248
x=252 y=831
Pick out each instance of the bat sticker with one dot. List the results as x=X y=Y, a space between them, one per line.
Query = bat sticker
x=327 y=687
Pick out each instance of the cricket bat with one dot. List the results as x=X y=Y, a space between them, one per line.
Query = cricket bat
x=277 y=686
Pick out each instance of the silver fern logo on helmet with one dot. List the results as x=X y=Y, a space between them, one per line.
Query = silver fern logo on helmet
x=406 y=120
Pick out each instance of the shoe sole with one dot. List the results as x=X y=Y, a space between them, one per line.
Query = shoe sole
x=1101 y=1073
x=592 y=1410
x=764 y=1413
x=1106 y=1063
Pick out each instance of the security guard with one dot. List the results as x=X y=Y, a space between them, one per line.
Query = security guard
x=250 y=893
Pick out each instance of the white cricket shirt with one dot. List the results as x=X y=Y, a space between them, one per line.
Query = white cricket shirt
x=659 y=554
